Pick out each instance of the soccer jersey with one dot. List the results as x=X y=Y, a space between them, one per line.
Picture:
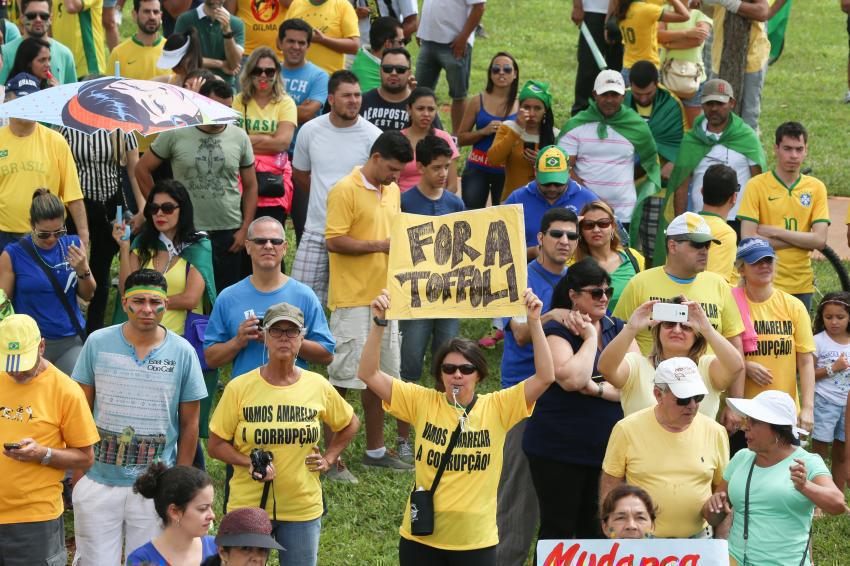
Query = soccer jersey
x=334 y=18
x=136 y=60
x=721 y=257
x=261 y=20
x=264 y=120
x=83 y=33
x=640 y=33
x=767 y=200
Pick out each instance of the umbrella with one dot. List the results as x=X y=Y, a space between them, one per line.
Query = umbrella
x=112 y=103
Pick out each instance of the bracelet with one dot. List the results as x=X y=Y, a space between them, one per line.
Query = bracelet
x=46 y=460
x=829 y=371
x=227 y=35
x=380 y=321
x=85 y=275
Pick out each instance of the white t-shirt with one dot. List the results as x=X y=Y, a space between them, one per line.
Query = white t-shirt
x=329 y=153
x=834 y=389
x=442 y=20
x=595 y=6
x=723 y=155
x=606 y=165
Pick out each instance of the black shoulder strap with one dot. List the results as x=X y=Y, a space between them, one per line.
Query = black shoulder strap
x=57 y=288
x=747 y=508
x=632 y=259
x=264 y=498
x=444 y=461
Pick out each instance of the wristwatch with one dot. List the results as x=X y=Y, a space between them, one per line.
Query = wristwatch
x=46 y=460
x=380 y=321
x=227 y=35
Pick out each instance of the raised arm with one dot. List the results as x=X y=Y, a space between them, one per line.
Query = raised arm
x=729 y=364
x=544 y=370
x=369 y=371
x=573 y=370
x=612 y=362
x=679 y=14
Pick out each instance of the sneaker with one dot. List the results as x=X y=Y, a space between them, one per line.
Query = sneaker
x=489 y=342
x=341 y=473
x=847 y=97
x=389 y=460
x=405 y=451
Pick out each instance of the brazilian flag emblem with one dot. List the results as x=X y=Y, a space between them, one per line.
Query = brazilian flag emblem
x=553 y=161
x=14 y=346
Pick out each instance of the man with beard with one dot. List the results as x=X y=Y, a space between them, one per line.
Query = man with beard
x=137 y=55
x=35 y=20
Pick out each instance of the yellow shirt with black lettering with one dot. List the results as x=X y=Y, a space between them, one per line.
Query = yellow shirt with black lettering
x=264 y=120
x=721 y=257
x=83 y=34
x=261 y=19
x=784 y=330
x=708 y=289
x=768 y=201
x=640 y=33
x=334 y=18
x=286 y=421
x=465 y=500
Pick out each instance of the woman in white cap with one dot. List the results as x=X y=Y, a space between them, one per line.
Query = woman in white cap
x=182 y=54
x=773 y=487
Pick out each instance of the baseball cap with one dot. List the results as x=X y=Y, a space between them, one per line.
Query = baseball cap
x=23 y=84
x=716 y=90
x=773 y=407
x=553 y=166
x=609 y=81
x=752 y=250
x=248 y=526
x=682 y=376
x=690 y=226
x=171 y=57
x=19 y=342
x=283 y=311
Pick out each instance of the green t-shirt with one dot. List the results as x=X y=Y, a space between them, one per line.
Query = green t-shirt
x=692 y=54
x=209 y=34
x=780 y=516
x=367 y=68
x=62 y=63
x=208 y=166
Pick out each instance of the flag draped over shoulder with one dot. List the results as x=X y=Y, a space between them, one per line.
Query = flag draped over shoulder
x=776 y=31
x=696 y=144
x=666 y=122
x=631 y=126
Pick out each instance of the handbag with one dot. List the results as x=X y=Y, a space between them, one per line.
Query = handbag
x=682 y=78
x=422 y=500
x=57 y=288
x=194 y=330
x=269 y=185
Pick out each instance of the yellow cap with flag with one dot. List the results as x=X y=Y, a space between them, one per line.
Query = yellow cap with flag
x=19 y=342
x=553 y=166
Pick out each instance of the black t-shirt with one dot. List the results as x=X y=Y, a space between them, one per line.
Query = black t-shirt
x=388 y=115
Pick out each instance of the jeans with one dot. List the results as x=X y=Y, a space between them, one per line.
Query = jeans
x=39 y=542
x=414 y=340
x=806 y=299
x=587 y=69
x=434 y=57
x=300 y=539
x=625 y=71
x=477 y=185
x=751 y=99
x=227 y=266
x=566 y=513
x=63 y=352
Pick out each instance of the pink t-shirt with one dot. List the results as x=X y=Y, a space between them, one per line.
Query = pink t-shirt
x=410 y=176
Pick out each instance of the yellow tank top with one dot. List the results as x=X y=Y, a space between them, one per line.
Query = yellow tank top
x=175 y=320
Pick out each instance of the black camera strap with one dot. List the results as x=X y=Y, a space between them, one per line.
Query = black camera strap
x=267 y=487
x=444 y=461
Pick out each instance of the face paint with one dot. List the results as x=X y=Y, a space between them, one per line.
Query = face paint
x=160 y=309
x=139 y=289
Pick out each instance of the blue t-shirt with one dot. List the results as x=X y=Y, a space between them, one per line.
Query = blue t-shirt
x=136 y=401
x=518 y=361
x=308 y=82
x=535 y=206
x=229 y=312
x=568 y=426
x=34 y=294
x=148 y=555
x=414 y=202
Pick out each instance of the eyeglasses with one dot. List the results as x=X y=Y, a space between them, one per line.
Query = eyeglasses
x=558 y=234
x=166 y=208
x=267 y=71
x=589 y=225
x=687 y=400
x=45 y=234
x=398 y=69
x=264 y=241
x=43 y=16
x=597 y=292
x=504 y=69
x=669 y=325
x=465 y=369
x=289 y=331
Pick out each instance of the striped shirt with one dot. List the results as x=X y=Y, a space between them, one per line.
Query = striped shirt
x=97 y=165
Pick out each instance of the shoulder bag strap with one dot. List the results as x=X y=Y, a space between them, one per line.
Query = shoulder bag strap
x=57 y=288
x=444 y=461
x=747 y=509
x=632 y=259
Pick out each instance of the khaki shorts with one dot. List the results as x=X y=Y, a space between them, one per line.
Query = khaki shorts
x=350 y=326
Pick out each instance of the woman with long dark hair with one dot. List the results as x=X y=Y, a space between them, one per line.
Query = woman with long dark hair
x=422 y=108
x=182 y=54
x=33 y=57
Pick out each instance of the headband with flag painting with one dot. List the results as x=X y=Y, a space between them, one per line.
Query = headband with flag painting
x=145 y=289
x=538 y=90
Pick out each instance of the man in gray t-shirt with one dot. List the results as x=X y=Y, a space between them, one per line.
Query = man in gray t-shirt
x=208 y=161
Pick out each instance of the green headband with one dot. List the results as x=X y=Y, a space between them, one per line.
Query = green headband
x=538 y=90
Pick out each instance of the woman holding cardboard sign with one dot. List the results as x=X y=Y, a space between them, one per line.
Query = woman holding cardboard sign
x=451 y=514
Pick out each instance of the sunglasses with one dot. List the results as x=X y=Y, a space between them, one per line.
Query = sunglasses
x=166 y=208
x=43 y=16
x=603 y=223
x=597 y=292
x=699 y=245
x=398 y=69
x=558 y=234
x=290 y=332
x=264 y=241
x=45 y=234
x=465 y=369
x=267 y=71
x=669 y=325
x=687 y=400
x=504 y=69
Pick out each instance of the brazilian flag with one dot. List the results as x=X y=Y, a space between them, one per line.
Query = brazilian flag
x=776 y=31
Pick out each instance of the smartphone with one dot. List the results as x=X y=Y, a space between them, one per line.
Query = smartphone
x=12 y=445
x=530 y=145
x=119 y=218
x=669 y=312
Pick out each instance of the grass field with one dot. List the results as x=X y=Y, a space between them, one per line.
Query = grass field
x=807 y=84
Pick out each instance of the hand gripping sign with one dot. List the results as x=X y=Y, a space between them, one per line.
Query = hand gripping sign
x=633 y=552
x=465 y=265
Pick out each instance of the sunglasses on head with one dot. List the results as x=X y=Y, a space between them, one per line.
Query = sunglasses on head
x=669 y=325
x=264 y=241
x=597 y=292
x=687 y=400
x=166 y=208
x=267 y=71
x=589 y=225
x=45 y=234
x=558 y=234
x=465 y=369
x=398 y=69
x=502 y=69
x=43 y=16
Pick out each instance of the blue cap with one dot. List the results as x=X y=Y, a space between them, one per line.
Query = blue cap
x=23 y=84
x=752 y=250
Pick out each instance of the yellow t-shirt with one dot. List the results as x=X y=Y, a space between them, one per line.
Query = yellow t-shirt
x=175 y=320
x=637 y=393
x=784 y=329
x=52 y=410
x=721 y=257
x=676 y=469
x=465 y=500
x=41 y=159
x=286 y=421
x=768 y=201
x=137 y=61
x=708 y=289
x=265 y=120
x=640 y=33
x=261 y=20
x=758 y=50
x=362 y=213
x=334 y=18
x=83 y=34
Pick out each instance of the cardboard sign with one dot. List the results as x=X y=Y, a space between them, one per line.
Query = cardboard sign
x=633 y=552
x=465 y=265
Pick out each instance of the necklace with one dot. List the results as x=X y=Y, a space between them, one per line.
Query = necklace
x=63 y=255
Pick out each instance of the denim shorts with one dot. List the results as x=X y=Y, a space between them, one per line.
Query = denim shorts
x=829 y=421
x=435 y=56
x=696 y=100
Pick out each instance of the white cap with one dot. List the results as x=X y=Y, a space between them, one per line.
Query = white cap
x=692 y=226
x=170 y=59
x=772 y=407
x=609 y=81
x=682 y=376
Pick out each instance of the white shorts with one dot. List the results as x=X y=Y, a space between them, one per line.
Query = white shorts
x=350 y=326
